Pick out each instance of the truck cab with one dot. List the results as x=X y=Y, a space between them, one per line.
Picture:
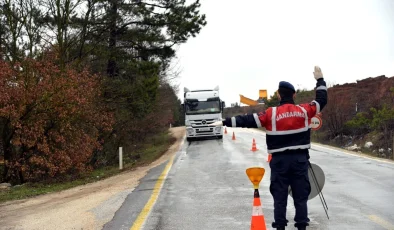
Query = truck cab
x=202 y=107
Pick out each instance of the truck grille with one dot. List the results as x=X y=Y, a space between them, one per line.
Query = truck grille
x=201 y=123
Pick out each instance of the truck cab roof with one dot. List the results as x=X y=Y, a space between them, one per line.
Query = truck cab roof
x=201 y=94
x=201 y=89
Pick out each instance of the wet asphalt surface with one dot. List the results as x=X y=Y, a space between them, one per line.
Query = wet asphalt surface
x=207 y=188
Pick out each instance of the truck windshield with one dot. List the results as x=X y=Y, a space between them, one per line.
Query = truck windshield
x=201 y=107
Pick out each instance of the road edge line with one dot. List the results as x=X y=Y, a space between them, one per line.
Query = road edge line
x=140 y=221
x=382 y=222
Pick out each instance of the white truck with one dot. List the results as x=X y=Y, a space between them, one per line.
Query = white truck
x=202 y=107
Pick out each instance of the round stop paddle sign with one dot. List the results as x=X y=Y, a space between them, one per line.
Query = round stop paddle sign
x=317 y=180
x=316 y=122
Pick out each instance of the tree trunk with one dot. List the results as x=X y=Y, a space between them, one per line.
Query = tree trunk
x=6 y=135
x=111 y=67
x=4 y=146
x=85 y=28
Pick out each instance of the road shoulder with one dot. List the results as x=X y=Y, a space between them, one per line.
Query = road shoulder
x=88 y=207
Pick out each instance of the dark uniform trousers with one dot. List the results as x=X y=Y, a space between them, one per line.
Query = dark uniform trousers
x=290 y=168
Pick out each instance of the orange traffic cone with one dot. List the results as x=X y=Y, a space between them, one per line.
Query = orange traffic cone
x=269 y=157
x=233 y=136
x=225 y=130
x=258 y=221
x=254 y=146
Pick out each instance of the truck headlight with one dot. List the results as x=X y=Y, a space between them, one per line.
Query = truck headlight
x=190 y=131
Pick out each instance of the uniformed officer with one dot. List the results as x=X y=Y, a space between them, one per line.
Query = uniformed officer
x=288 y=140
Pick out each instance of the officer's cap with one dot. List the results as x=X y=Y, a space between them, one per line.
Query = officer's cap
x=285 y=84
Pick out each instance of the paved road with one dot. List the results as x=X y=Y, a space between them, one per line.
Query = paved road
x=207 y=188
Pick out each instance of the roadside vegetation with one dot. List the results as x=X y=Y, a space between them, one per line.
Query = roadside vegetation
x=81 y=78
x=146 y=154
x=358 y=117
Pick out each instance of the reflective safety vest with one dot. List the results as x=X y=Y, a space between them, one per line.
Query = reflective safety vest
x=288 y=126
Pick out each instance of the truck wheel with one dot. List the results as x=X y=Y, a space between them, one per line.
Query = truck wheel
x=189 y=139
x=220 y=137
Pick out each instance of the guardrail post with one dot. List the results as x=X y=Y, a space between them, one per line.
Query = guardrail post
x=392 y=149
x=120 y=158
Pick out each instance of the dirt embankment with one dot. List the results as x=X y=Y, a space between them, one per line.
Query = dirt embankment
x=85 y=207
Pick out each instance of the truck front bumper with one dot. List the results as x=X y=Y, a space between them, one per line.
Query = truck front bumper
x=204 y=131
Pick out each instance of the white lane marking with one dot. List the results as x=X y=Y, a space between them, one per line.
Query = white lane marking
x=352 y=154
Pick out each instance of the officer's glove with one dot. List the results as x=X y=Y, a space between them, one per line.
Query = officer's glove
x=216 y=123
x=318 y=74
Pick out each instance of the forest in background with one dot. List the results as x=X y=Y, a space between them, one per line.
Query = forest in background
x=80 y=78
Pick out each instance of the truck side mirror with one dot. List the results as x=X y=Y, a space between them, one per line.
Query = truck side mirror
x=223 y=104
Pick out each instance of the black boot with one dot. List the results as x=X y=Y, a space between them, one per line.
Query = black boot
x=302 y=228
x=280 y=228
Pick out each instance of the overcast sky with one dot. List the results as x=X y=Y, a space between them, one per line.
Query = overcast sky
x=253 y=44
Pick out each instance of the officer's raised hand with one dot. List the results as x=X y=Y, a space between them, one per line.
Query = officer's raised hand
x=318 y=74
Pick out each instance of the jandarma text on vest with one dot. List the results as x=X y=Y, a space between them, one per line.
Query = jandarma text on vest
x=289 y=114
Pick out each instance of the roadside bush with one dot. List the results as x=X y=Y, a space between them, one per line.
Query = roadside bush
x=50 y=120
x=360 y=124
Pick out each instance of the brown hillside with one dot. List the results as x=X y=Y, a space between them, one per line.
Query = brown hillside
x=344 y=99
x=366 y=93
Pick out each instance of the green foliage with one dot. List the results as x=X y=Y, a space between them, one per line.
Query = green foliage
x=382 y=118
x=147 y=90
x=377 y=119
x=304 y=96
x=359 y=124
x=179 y=115
x=273 y=101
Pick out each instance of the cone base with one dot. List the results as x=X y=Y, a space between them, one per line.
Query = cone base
x=258 y=223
